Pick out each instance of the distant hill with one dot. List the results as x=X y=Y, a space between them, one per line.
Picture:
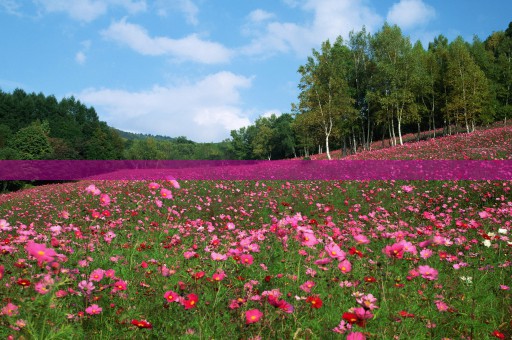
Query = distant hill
x=141 y=136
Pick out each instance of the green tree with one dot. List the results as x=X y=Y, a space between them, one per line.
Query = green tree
x=32 y=142
x=325 y=94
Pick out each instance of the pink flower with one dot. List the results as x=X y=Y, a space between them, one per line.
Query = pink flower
x=306 y=286
x=308 y=239
x=441 y=306
x=367 y=301
x=334 y=251
x=503 y=287
x=394 y=251
x=246 y=259
x=361 y=239
x=165 y=193
x=345 y=266
x=356 y=336
x=110 y=273
x=427 y=272
x=104 y=199
x=120 y=285
x=41 y=288
x=171 y=296
x=189 y=254
x=252 y=316
x=97 y=275
x=174 y=183
x=9 y=310
x=93 y=190
x=153 y=186
x=425 y=253
x=218 y=257
x=40 y=252
x=219 y=276
x=93 y=309
x=2 y=271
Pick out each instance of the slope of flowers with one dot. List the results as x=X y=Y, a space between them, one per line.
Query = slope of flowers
x=482 y=145
x=257 y=260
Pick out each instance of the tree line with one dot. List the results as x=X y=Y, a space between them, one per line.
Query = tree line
x=378 y=86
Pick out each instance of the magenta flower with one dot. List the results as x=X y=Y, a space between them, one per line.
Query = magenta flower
x=97 y=275
x=308 y=239
x=441 y=305
x=356 y=336
x=345 y=266
x=427 y=272
x=40 y=252
x=394 y=251
x=9 y=310
x=252 y=316
x=165 y=193
x=219 y=276
x=93 y=309
x=246 y=259
x=104 y=200
x=306 y=286
x=171 y=296
x=335 y=252
x=119 y=285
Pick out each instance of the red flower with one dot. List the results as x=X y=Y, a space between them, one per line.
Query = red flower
x=369 y=279
x=315 y=301
x=405 y=314
x=353 y=251
x=142 y=324
x=198 y=275
x=352 y=318
x=190 y=301
x=23 y=282
x=498 y=334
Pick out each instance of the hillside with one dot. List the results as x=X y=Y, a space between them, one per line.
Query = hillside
x=494 y=143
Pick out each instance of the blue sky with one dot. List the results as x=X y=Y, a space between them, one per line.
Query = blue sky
x=200 y=68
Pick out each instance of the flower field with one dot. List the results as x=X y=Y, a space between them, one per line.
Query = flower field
x=259 y=259
x=275 y=259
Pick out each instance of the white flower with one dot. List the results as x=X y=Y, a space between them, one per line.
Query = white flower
x=502 y=231
x=467 y=279
x=487 y=243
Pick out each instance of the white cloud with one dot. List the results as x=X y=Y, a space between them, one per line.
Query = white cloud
x=260 y=15
x=80 y=57
x=89 y=10
x=10 y=6
x=331 y=18
x=410 y=13
x=204 y=111
x=190 y=48
x=187 y=7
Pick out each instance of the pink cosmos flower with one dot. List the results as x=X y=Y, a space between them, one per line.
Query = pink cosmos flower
x=218 y=257
x=246 y=259
x=361 y=239
x=441 y=305
x=165 y=193
x=110 y=273
x=427 y=272
x=425 y=253
x=334 y=251
x=9 y=310
x=97 y=275
x=345 y=266
x=104 y=200
x=120 y=285
x=41 y=288
x=93 y=190
x=219 y=276
x=93 y=309
x=153 y=186
x=356 y=336
x=308 y=239
x=252 y=316
x=40 y=252
x=394 y=251
x=171 y=296
x=367 y=301
x=306 y=286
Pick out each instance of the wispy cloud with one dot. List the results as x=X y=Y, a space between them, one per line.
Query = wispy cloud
x=410 y=13
x=187 y=7
x=189 y=48
x=204 y=111
x=11 y=6
x=89 y=10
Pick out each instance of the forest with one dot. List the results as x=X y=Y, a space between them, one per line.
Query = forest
x=351 y=92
